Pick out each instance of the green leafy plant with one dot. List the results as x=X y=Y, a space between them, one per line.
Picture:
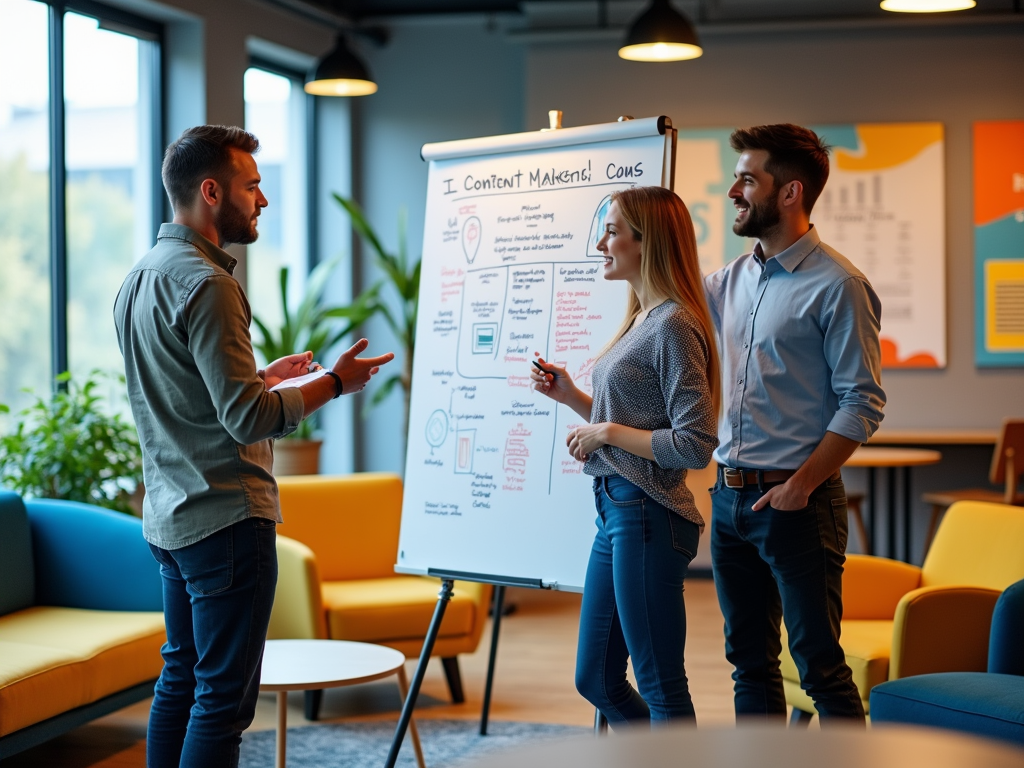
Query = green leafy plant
x=311 y=326
x=403 y=278
x=67 y=447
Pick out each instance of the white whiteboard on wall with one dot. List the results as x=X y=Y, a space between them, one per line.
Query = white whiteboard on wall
x=510 y=268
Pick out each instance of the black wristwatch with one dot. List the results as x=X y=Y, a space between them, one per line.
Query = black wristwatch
x=338 y=388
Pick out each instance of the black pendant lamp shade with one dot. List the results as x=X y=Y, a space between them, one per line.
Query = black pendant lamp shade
x=340 y=73
x=661 y=33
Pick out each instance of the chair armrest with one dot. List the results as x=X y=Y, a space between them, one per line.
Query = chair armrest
x=298 y=605
x=89 y=557
x=873 y=586
x=942 y=629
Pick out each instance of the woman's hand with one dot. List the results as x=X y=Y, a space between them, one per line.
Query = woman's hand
x=584 y=440
x=287 y=367
x=557 y=385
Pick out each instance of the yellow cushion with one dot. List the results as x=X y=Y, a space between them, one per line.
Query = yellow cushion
x=56 y=659
x=396 y=608
x=977 y=545
x=866 y=644
x=350 y=522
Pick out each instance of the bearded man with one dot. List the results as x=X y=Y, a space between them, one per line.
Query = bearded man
x=206 y=418
x=798 y=330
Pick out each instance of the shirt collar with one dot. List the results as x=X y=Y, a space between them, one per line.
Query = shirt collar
x=217 y=255
x=790 y=258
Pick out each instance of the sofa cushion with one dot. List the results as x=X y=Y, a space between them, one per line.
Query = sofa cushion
x=17 y=580
x=56 y=659
x=981 y=703
x=395 y=608
x=867 y=645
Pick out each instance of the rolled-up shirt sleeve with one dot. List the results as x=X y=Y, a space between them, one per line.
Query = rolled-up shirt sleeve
x=217 y=319
x=851 y=316
x=682 y=357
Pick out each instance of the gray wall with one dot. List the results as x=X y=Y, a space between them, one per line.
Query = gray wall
x=946 y=74
x=446 y=81
x=439 y=80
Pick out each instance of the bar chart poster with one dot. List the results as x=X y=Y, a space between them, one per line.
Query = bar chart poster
x=883 y=208
x=999 y=243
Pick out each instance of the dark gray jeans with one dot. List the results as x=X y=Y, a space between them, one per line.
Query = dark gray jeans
x=773 y=564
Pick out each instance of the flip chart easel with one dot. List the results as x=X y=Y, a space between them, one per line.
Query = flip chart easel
x=510 y=268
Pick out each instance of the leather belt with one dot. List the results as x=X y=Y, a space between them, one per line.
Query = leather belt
x=740 y=478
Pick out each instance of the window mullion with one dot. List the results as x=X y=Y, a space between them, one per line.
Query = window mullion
x=58 y=197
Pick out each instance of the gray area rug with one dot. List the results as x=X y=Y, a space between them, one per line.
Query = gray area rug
x=358 y=745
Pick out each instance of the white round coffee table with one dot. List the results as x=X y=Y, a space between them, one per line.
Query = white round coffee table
x=309 y=665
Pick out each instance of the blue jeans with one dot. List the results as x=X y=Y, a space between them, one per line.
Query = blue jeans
x=773 y=564
x=633 y=607
x=218 y=594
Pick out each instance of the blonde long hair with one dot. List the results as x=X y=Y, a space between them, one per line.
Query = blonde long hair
x=668 y=264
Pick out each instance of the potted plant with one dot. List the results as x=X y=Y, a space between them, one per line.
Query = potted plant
x=67 y=447
x=316 y=328
x=403 y=278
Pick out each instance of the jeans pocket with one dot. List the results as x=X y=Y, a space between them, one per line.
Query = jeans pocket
x=840 y=520
x=622 y=493
x=208 y=565
x=685 y=534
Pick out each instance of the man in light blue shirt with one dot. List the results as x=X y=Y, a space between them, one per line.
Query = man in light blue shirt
x=798 y=330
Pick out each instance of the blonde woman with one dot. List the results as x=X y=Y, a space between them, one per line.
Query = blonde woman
x=652 y=416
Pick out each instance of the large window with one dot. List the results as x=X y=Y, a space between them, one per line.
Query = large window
x=24 y=201
x=276 y=110
x=79 y=194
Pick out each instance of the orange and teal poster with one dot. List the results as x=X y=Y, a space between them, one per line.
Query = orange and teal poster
x=883 y=208
x=999 y=243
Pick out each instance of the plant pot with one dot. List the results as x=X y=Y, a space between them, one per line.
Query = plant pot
x=293 y=456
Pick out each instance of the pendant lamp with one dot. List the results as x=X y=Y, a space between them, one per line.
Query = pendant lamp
x=340 y=73
x=926 y=6
x=661 y=33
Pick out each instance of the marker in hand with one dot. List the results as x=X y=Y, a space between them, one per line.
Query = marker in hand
x=543 y=370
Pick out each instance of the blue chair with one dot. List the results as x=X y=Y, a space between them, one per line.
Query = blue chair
x=982 y=703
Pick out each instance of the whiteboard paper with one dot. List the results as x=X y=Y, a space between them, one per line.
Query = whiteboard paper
x=510 y=268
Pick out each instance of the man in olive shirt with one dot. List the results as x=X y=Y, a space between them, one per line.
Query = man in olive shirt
x=206 y=417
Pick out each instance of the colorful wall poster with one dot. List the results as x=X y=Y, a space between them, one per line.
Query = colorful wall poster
x=883 y=208
x=999 y=242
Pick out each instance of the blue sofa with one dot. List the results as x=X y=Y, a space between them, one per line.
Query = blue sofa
x=982 y=703
x=81 y=617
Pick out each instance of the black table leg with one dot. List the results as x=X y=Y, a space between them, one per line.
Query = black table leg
x=907 y=514
x=872 y=514
x=891 y=522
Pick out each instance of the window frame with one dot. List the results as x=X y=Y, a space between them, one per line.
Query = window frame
x=123 y=22
x=311 y=136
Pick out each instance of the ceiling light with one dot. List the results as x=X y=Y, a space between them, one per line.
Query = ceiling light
x=340 y=73
x=926 y=6
x=661 y=33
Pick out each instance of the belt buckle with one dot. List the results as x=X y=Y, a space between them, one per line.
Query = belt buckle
x=733 y=477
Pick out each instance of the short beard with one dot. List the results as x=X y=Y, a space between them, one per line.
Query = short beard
x=234 y=226
x=762 y=218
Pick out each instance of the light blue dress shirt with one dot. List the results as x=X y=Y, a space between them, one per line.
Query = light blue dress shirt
x=798 y=336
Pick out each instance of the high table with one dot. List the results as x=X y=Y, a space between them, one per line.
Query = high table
x=873 y=458
x=309 y=665
x=765 y=747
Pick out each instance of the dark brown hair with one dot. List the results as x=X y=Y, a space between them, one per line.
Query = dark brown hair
x=794 y=154
x=202 y=152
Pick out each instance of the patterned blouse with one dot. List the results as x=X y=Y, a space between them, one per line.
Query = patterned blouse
x=655 y=378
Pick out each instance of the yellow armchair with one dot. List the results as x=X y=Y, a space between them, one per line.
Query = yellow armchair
x=900 y=620
x=336 y=554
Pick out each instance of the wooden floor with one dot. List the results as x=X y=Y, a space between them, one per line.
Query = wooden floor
x=533 y=683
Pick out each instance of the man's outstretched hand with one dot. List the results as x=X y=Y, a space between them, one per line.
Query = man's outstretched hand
x=354 y=371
